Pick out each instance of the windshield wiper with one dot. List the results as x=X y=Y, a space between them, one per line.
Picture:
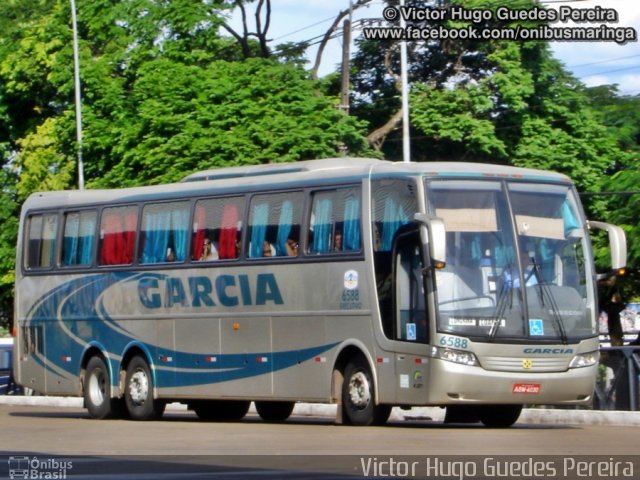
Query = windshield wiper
x=544 y=291
x=505 y=298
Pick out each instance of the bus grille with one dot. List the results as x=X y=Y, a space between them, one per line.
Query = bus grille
x=525 y=364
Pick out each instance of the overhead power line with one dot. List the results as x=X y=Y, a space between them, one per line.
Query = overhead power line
x=608 y=60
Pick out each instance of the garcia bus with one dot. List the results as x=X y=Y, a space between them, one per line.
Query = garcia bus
x=361 y=282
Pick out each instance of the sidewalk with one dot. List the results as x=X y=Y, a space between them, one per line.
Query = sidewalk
x=435 y=414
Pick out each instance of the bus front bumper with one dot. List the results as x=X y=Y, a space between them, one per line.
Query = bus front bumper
x=452 y=383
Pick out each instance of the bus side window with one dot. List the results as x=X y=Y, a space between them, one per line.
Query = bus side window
x=274 y=225
x=117 y=235
x=164 y=232
x=335 y=225
x=41 y=244
x=79 y=238
x=217 y=229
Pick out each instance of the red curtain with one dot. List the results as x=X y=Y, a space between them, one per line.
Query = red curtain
x=198 y=238
x=118 y=240
x=112 y=228
x=228 y=232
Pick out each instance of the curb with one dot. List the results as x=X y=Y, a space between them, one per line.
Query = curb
x=434 y=414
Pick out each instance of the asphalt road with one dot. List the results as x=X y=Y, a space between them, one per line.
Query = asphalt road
x=180 y=446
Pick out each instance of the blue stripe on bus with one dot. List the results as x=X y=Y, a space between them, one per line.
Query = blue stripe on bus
x=234 y=366
x=77 y=310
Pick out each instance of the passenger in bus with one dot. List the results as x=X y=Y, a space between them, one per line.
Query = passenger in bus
x=268 y=250
x=337 y=242
x=292 y=247
x=170 y=255
x=209 y=251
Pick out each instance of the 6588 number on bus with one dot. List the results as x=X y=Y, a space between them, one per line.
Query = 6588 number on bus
x=454 y=342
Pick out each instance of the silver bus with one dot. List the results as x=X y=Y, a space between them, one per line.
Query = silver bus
x=360 y=282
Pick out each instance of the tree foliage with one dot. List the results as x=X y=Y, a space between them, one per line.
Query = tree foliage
x=620 y=198
x=191 y=118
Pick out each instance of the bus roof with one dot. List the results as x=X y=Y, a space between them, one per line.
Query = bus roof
x=250 y=177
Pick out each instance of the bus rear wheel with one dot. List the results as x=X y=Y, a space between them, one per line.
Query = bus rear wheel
x=220 y=410
x=499 y=416
x=358 y=396
x=138 y=392
x=274 y=411
x=96 y=387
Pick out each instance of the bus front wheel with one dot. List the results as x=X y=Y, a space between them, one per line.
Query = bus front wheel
x=96 y=389
x=358 y=396
x=138 y=392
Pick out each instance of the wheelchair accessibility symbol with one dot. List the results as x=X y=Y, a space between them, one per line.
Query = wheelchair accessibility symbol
x=536 y=326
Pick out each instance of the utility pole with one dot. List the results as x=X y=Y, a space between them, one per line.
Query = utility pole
x=406 y=145
x=344 y=89
x=346 y=45
x=76 y=72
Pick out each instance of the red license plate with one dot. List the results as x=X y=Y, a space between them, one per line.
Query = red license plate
x=530 y=388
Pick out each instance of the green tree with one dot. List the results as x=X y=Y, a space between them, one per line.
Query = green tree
x=190 y=118
x=621 y=116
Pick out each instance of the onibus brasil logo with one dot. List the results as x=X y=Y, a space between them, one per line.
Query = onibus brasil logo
x=24 y=467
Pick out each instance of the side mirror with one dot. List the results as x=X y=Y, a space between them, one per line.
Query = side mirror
x=617 y=245
x=435 y=236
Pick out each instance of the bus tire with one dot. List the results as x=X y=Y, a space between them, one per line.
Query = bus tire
x=220 y=410
x=274 y=411
x=138 y=392
x=358 y=396
x=96 y=390
x=499 y=416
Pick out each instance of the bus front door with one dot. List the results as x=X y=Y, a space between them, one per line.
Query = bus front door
x=410 y=319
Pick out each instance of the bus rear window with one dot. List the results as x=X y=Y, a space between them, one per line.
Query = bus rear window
x=41 y=244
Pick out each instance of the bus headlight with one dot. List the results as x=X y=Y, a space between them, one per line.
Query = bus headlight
x=585 y=360
x=455 y=356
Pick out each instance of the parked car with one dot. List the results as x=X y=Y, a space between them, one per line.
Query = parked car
x=7 y=385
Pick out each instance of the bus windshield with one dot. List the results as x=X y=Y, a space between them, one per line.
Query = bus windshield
x=517 y=264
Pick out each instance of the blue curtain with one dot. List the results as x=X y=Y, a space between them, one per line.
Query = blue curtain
x=322 y=224
x=352 y=234
x=284 y=227
x=570 y=218
x=258 y=229
x=504 y=255
x=70 y=244
x=394 y=217
x=156 y=237
x=87 y=235
x=476 y=249
x=180 y=226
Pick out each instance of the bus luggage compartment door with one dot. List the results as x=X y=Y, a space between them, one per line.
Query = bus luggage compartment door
x=246 y=357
